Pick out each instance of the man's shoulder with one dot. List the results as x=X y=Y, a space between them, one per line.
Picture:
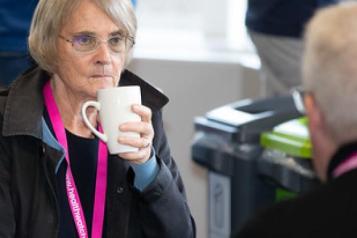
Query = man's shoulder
x=317 y=212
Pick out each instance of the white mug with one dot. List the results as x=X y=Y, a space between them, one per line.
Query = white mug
x=114 y=106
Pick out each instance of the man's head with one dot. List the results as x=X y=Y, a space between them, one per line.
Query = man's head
x=330 y=80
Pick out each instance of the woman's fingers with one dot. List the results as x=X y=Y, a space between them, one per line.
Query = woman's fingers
x=143 y=111
x=140 y=143
x=144 y=129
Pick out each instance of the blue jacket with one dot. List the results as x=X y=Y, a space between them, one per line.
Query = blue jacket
x=281 y=17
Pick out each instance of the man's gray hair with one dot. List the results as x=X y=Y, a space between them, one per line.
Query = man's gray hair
x=330 y=67
x=51 y=15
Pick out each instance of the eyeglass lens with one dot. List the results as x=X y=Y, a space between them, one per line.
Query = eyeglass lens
x=86 y=43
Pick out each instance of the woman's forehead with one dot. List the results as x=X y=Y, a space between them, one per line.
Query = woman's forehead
x=89 y=17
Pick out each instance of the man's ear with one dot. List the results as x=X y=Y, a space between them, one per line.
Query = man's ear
x=323 y=144
x=316 y=120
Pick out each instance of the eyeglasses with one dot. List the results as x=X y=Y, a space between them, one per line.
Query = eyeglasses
x=89 y=43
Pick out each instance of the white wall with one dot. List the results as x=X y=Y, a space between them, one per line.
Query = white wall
x=195 y=87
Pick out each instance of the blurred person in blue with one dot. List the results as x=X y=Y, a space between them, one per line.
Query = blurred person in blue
x=275 y=28
x=15 y=19
x=330 y=84
x=57 y=179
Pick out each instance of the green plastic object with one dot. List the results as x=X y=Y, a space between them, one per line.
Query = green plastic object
x=283 y=194
x=291 y=137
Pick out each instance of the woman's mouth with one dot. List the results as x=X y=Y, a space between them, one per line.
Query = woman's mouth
x=102 y=76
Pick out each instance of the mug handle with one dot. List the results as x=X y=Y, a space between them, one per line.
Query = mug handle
x=95 y=104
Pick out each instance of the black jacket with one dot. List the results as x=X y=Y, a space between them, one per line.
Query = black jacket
x=328 y=211
x=29 y=157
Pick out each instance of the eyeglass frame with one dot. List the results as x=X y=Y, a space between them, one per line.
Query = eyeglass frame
x=298 y=93
x=98 y=40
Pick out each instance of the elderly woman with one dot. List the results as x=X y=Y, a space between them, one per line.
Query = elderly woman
x=82 y=46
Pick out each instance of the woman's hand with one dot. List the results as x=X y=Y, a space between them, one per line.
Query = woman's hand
x=146 y=131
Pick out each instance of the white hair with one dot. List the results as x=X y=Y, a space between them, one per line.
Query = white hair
x=330 y=67
x=51 y=15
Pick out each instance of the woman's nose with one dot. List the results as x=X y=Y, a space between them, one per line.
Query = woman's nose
x=103 y=54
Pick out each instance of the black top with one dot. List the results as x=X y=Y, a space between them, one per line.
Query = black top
x=83 y=158
x=281 y=17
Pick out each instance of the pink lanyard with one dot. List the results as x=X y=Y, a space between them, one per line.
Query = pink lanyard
x=72 y=193
x=347 y=165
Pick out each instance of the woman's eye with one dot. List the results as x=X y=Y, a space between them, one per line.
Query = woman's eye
x=84 y=40
x=117 y=40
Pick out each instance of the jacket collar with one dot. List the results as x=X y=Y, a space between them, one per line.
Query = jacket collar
x=151 y=96
x=24 y=106
x=341 y=155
